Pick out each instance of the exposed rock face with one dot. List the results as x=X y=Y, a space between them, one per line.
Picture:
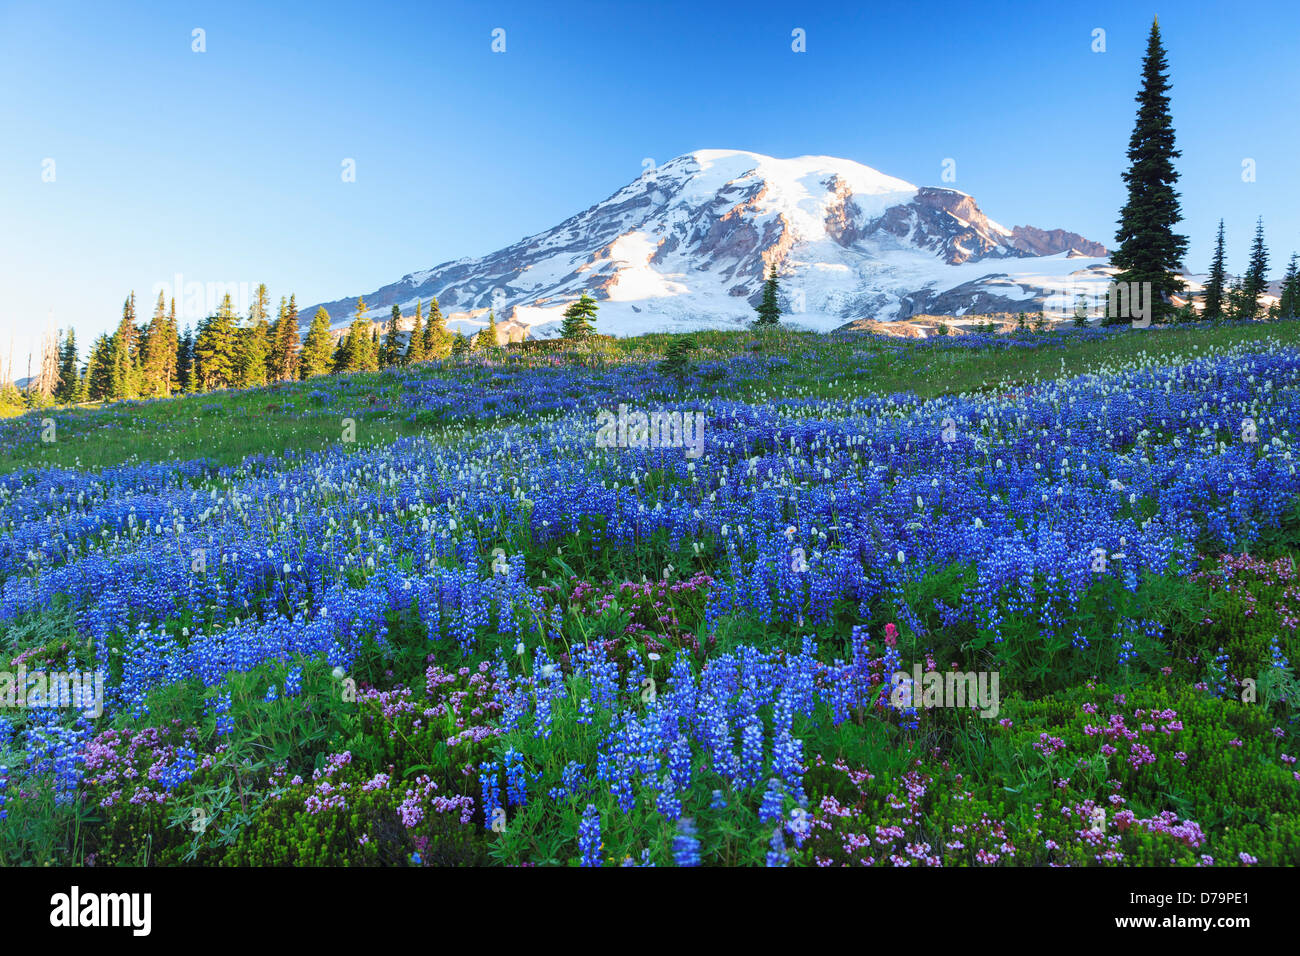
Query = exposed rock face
x=689 y=245
x=842 y=213
x=1046 y=242
x=946 y=222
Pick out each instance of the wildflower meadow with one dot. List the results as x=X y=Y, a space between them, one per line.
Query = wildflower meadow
x=815 y=600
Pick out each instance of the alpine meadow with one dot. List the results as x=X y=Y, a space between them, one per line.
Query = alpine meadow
x=772 y=511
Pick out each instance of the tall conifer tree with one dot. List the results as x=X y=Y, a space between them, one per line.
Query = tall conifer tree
x=123 y=356
x=216 y=349
x=1255 y=282
x=153 y=353
x=1289 y=303
x=390 y=353
x=317 y=351
x=185 y=362
x=579 y=319
x=1214 y=285
x=415 y=345
x=256 y=342
x=769 y=310
x=171 y=351
x=290 y=344
x=99 y=369
x=1149 y=248
x=437 y=340
x=69 y=370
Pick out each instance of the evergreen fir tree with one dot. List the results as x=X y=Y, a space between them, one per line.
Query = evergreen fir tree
x=491 y=330
x=1255 y=283
x=579 y=319
x=185 y=381
x=69 y=379
x=171 y=344
x=358 y=351
x=255 y=343
x=459 y=344
x=390 y=353
x=215 y=349
x=1214 y=285
x=317 y=351
x=123 y=354
x=437 y=340
x=153 y=353
x=255 y=349
x=274 y=355
x=415 y=346
x=1149 y=249
x=273 y=343
x=769 y=310
x=99 y=370
x=1289 y=301
x=289 y=343
x=1080 y=311
x=82 y=392
x=677 y=357
x=1236 y=305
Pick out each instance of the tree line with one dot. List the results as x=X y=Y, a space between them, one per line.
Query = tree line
x=157 y=359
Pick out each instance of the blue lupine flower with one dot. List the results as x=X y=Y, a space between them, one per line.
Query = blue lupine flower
x=776 y=854
x=773 y=806
x=589 y=837
x=686 y=844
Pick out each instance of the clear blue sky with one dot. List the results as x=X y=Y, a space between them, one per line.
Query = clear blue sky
x=225 y=165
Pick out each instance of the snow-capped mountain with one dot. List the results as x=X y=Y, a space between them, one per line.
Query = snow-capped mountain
x=688 y=244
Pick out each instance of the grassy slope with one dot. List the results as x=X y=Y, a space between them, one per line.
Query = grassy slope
x=1227 y=788
x=228 y=426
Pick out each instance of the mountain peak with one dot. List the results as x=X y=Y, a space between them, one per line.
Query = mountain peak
x=688 y=244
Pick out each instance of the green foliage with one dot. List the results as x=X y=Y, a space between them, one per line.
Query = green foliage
x=769 y=309
x=357 y=351
x=1080 y=317
x=255 y=344
x=1214 y=285
x=317 y=350
x=1149 y=248
x=1255 y=282
x=677 y=357
x=437 y=340
x=415 y=343
x=1289 y=300
x=579 y=319
x=390 y=352
x=215 y=349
